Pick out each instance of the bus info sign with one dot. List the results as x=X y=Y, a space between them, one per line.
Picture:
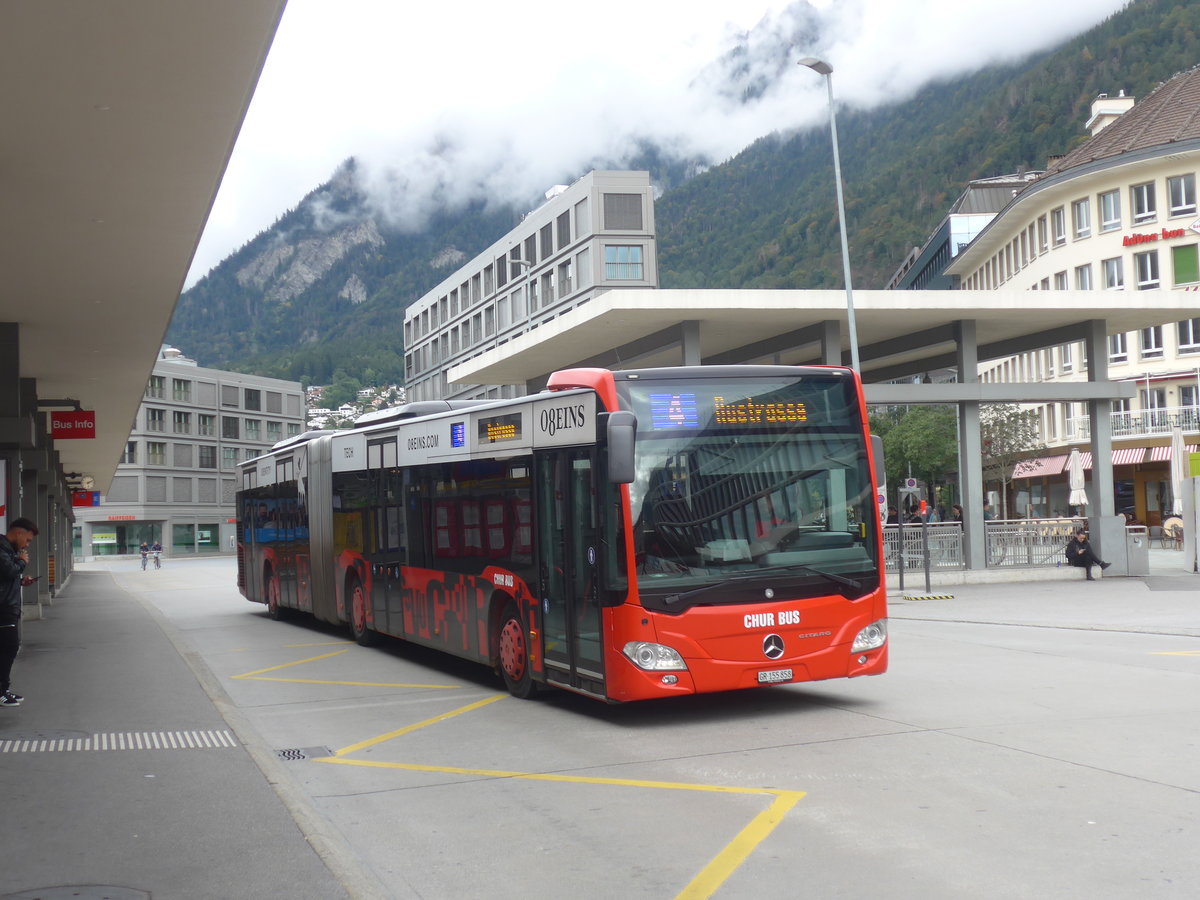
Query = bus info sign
x=73 y=425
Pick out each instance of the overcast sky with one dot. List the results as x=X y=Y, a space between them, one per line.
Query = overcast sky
x=447 y=100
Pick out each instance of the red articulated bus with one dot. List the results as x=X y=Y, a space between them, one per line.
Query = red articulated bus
x=624 y=535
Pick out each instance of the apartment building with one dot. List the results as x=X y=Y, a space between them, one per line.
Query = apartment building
x=177 y=477
x=1117 y=213
x=592 y=236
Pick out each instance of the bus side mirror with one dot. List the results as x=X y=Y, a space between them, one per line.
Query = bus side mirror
x=622 y=431
x=877 y=453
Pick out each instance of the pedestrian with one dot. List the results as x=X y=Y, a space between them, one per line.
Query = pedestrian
x=988 y=513
x=1080 y=553
x=956 y=512
x=14 y=556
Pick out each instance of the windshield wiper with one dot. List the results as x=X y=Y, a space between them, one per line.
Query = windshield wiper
x=672 y=599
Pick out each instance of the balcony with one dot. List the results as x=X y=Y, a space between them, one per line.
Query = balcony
x=1142 y=423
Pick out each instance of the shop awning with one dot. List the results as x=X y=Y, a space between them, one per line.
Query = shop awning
x=1163 y=454
x=1128 y=456
x=1040 y=467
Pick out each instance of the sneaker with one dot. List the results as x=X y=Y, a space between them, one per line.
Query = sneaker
x=1104 y=566
x=8 y=698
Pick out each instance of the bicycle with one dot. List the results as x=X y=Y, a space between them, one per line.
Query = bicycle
x=145 y=555
x=157 y=560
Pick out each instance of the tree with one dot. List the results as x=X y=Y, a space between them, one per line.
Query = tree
x=1009 y=438
x=922 y=440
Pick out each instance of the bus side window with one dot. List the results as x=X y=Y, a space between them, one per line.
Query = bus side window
x=496 y=526
x=445 y=529
x=523 y=526
x=472 y=528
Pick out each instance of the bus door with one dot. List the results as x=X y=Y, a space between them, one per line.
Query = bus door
x=568 y=570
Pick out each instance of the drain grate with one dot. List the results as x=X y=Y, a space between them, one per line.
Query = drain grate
x=119 y=740
x=296 y=754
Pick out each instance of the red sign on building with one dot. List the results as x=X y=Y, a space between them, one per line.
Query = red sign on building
x=85 y=498
x=77 y=424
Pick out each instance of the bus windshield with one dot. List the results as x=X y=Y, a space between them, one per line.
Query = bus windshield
x=745 y=485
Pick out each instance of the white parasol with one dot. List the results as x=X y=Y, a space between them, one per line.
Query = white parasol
x=1178 y=470
x=1075 y=473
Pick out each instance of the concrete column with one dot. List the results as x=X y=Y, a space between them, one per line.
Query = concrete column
x=970 y=449
x=831 y=342
x=1101 y=493
x=689 y=339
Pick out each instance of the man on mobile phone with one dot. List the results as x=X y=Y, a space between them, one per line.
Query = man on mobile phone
x=14 y=556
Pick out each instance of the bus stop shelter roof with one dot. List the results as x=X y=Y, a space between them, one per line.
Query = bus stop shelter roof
x=900 y=333
x=119 y=119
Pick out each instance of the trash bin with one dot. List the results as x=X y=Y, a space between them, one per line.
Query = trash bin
x=1137 y=550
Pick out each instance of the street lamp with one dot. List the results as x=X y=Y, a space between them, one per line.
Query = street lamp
x=823 y=68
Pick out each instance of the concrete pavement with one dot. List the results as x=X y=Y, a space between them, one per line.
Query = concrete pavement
x=130 y=772
x=125 y=776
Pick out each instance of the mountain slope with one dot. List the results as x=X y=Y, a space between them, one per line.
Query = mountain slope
x=324 y=289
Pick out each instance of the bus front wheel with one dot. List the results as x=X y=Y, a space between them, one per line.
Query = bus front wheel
x=513 y=645
x=359 y=629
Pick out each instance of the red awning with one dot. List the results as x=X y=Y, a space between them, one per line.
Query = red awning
x=1040 y=467
x=1128 y=456
x=1163 y=454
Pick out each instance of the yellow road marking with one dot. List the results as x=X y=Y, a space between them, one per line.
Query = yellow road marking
x=371 y=742
x=437 y=687
x=702 y=887
x=321 y=644
x=727 y=861
x=1177 y=653
x=298 y=662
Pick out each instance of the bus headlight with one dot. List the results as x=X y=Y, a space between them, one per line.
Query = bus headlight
x=872 y=637
x=653 y=657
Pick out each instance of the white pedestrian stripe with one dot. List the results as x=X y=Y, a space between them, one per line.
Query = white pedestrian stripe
x=123 y=740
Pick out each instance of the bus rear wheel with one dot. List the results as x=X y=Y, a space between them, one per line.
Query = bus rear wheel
x=359 y=629
x=513 y=645
x=271 y=589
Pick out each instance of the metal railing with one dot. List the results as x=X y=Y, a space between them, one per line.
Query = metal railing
x=1011 y=543
x=1141 y=423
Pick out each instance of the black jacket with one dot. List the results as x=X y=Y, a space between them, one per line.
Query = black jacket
x=11 y=570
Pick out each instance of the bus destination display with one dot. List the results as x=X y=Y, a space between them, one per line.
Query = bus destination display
x=458 y=434
x=683 y=410
x=500 y=428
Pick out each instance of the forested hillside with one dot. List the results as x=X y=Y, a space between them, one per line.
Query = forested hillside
x=324 y=289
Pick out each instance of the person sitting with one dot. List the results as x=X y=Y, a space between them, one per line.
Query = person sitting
x=1080 y=553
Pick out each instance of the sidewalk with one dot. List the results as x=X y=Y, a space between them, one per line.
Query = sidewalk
x=1166 y=563
x=122 y=777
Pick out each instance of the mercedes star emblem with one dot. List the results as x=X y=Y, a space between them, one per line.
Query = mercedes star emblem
x=773 y=646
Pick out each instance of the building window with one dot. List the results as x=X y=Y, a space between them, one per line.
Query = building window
x=1060 y=281
x=229 y=457
x=1081 y=218
x=623 y=263
x=1058 y=226
x=182 y=422
x=1142 y=203
x=274 y=431
x=207 y=456
x=1114 y=274
x=229 y=427
x=293 y=429
x=1181 y=194
x=157 y=387
x=129 y=457
x=181 y=390
x=253 y=399
x=1146 y=267
x=156 y=419
x=1189 y=335
x=1083 y=278
x=1118 y=347
x=1185 y=264
x=1110 y=211
x=1152 y=342
x=206 y=425
x=156 y=453
x=254 y=429
x=563 y=223
x=1066 y=355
